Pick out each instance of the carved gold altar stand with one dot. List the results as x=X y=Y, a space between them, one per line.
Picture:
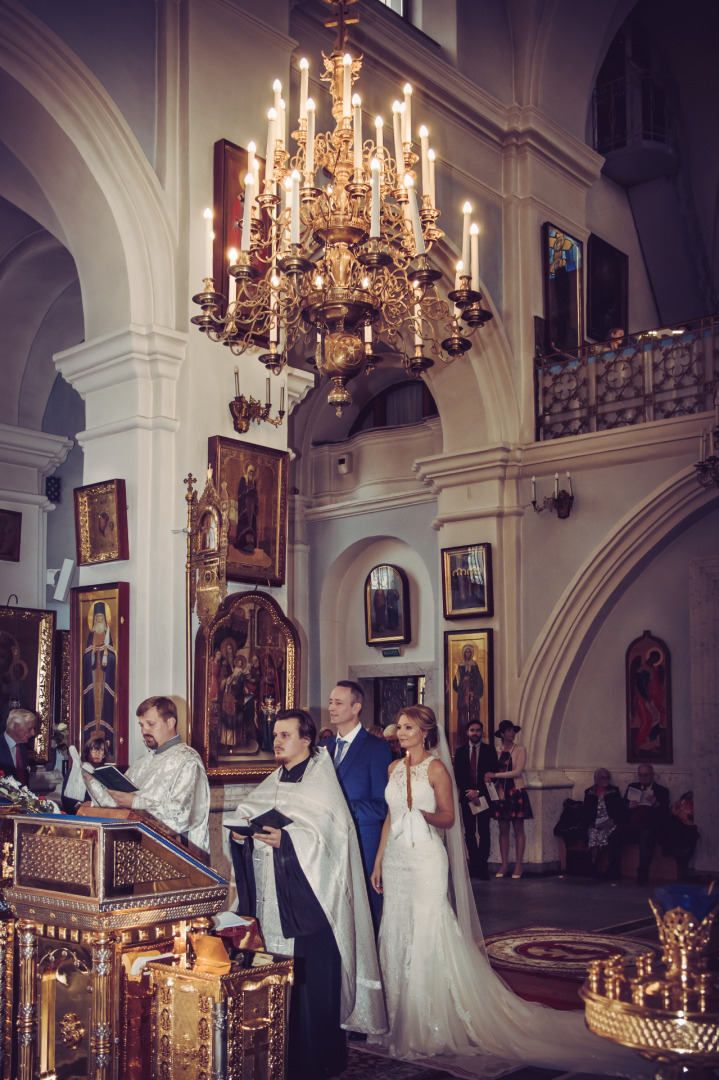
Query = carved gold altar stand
x=213 y=1020
x=93 y=898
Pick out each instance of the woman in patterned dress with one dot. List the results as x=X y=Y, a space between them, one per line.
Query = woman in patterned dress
x=513 y=804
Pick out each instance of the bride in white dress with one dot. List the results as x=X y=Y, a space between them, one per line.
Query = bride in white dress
x=441 y=993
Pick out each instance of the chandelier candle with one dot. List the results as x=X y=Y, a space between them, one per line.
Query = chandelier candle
x=304 y=81
x=430 y=158
x=467 y=212
x=374 y=222
x=247 y=212
x=414 y=215
x=378 y=132
x=424 y=143
x=270 y=155
x=357 y=135
x=407 y=114
x=310 y=149
x=398 y=148
x=474 y=261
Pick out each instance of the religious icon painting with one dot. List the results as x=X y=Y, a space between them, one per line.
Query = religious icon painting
x=563 y=293
x=101 y=523
x=246 y=671
x=468 y=684
x=99 y=659
x=10 y=532
x=27 y=648
x=467 y=581
x=256 y=479
x=231 y=167
x=649 y=701
x=386 y=605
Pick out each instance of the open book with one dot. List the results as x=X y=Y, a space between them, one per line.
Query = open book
x=110 y=777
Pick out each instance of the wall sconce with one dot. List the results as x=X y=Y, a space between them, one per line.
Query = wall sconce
x=707 y=466
x=561 y=501
x=245 y=410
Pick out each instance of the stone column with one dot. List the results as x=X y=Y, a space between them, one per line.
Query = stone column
x=128 y=381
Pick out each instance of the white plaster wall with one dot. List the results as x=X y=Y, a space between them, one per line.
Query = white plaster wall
x=594 y=728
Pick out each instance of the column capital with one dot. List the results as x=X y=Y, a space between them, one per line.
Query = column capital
x=136 y=352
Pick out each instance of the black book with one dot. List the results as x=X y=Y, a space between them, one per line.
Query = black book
x=274 y=819
x=111 y=778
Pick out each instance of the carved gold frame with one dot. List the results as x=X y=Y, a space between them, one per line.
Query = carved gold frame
x=95 y=501
x=29 y=635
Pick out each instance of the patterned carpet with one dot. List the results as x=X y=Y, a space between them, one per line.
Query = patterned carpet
x=547 y=951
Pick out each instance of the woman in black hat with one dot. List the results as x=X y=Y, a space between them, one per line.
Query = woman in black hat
x=513 y=804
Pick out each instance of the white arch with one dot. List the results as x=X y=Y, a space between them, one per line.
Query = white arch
x=569 y=631
x=70 y=135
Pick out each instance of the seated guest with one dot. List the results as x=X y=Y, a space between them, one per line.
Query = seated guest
x=171 y=780
x=646 y=807
x=390 y=734
x=602 y=814
x=681 y=834
x=19 y=730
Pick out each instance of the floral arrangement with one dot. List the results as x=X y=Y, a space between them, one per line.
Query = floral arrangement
x=21 y=796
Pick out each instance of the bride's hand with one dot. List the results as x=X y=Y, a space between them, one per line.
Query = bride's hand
x=376 y=878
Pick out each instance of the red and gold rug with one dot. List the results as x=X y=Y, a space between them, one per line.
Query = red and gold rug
x=546 y=950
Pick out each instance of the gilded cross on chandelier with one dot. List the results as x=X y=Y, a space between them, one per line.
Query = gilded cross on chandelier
x=341 y=20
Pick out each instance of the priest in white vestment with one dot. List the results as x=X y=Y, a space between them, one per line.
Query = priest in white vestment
x=171 y=779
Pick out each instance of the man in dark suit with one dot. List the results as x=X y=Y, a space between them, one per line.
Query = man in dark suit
x=20 y=728
x=471 y=761
x=646 y=806
x=361 y=762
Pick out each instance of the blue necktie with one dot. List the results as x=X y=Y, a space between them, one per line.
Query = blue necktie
x=339 y=751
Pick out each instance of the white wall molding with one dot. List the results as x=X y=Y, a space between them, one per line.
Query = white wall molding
x=29 y=449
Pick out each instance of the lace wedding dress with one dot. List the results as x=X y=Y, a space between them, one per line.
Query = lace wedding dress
x=441 y=993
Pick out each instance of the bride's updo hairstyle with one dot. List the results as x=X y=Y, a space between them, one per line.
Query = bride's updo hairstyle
x=425 y=720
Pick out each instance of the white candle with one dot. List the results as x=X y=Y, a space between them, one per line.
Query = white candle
x=407 y=119
x=368 y=333
x=281 y=124
x=398 y=150
x=457 y=286
x=424 y=143
x=466 y=211
x=209 y=237
x=251 y=151
x=357 y=133
x=414 y=213
x=346 y=85
x=379 y=135
x=569 y=483
x=256 y=174
x=282 y=399
x=237 y=381
x=270 y=156
x=304 y=82
x=247 y=210
x=556 y=484
x=310 y=149
x=268 y=400
x=295 y=209
x=231 y=290
x=474 y=263
x=374 y=221
x=277 y=90
x=534 y=490
x=431 y=155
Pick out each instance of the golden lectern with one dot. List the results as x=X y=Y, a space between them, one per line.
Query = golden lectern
x=94 y=899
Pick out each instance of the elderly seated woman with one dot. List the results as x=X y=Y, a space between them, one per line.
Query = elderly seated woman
x=603 y=813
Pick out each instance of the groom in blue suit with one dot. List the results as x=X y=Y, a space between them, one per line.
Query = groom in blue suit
x=361 y=762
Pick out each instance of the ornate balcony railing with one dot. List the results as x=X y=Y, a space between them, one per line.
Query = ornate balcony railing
x=652 y=375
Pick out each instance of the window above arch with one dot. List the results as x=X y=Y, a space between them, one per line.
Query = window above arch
x=396 y=406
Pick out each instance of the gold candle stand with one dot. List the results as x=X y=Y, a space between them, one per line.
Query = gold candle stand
x=668 y=1010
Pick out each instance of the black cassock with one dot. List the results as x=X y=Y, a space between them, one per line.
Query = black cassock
x=317 y=1044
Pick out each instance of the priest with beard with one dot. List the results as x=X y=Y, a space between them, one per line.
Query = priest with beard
x=305 y=884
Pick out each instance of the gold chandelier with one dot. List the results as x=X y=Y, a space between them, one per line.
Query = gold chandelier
x=347 y=263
